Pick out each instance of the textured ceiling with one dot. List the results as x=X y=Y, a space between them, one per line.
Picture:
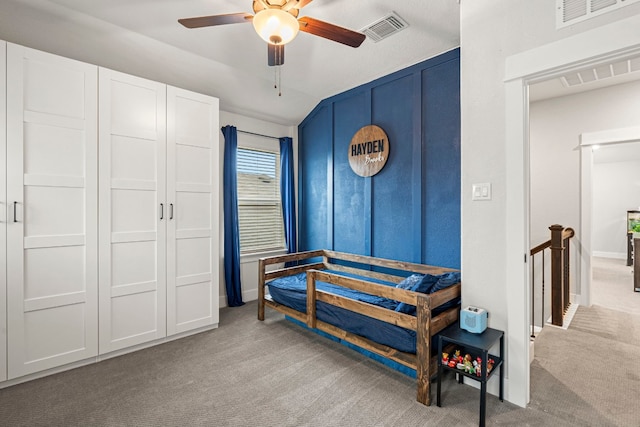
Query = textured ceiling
x=143 y=37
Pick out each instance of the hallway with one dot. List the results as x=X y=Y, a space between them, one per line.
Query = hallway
x=612 y=285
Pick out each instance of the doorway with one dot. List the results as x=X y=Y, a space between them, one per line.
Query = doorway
x=577 y=186
x=523 y=70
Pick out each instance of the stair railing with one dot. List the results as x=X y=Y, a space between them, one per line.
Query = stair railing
x=559 y=248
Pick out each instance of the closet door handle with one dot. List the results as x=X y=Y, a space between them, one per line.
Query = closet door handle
x=15 y=210
x=161 y=211
x=171 y=211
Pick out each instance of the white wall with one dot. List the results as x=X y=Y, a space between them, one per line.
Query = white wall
x=616 y=189
x=490 y=32
x=249 y=264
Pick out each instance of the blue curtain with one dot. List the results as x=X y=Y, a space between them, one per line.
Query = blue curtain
x=231 y=224
x=287 y=192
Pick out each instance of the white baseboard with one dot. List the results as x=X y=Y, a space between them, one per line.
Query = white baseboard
x=250 y=295
x=575 y=299
x=531 y=351
x=613 y=255
x=567 y=318
x=101 y=357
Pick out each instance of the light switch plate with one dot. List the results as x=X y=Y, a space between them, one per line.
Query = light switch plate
x=481 y=191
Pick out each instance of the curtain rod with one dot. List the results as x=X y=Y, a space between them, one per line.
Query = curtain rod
x=258 y=134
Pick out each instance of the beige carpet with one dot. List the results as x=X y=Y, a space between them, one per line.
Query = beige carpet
x=612 y=285
x=589 y=371
x=273 y=373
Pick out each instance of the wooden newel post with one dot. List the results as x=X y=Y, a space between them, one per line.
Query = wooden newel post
x=557 y=269
x=423 y=353
x=261 y=292
x=636 y=265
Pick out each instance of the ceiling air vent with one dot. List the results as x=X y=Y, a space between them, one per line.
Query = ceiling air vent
x=601 y=72
x=385 y=27
x=571 y=11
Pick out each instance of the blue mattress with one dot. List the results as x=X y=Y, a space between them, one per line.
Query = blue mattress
x=291 y=291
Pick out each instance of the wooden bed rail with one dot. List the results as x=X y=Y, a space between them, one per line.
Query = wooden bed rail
x=387 y=263
x=264 y=276
x=370 y=310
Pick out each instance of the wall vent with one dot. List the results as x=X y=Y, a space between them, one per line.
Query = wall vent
x=569 y=12
x=601 y=72
x=385 y=27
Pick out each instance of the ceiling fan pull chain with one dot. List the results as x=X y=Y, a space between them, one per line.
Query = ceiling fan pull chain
x=277 y=79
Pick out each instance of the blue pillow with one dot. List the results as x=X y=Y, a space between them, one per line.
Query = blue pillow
x=445 y=280
x=424 y=287
x=410 y=281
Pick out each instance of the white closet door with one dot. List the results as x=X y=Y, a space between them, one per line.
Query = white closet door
x=192 y=194
x=52 y=195
x=133 y=211
x=3 y=212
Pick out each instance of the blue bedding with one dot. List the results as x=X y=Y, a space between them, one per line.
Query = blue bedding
x=292 y=292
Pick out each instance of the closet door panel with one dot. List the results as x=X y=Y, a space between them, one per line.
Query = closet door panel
x=133 y=210
x=60 y=268
x=53 y=211
x=195 y=211
x=3 y=212
x=133 y=262
x=134 y=159
x=45 y=143
x=52 y=233
x=192 y=194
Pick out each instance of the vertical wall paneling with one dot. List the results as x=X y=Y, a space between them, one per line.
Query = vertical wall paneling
x=368 y=187
x=3 y=211
x=52 y=189
x=410 y=209
x=392 y=197
x=417 y=169
x=441 y=151
x=350 y=211
x=192 y=215
x=133 y=210
x=330 y=178
x=314 y=194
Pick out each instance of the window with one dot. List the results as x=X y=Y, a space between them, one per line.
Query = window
x=259 y=203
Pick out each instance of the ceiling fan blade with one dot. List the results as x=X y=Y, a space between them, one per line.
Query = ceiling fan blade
x=209 y=21
x=331 y=31
x=275 y=54
x=298 y=4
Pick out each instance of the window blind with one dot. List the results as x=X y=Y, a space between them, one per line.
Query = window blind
x=259 y=204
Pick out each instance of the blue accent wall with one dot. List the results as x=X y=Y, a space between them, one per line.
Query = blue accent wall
x=410 y=210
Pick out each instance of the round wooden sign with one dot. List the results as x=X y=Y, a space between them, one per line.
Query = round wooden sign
x=368 y=151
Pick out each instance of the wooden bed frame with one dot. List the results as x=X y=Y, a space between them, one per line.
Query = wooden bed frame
x=426 y=326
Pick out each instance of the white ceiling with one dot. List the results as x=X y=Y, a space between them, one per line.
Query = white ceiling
x=143 y=37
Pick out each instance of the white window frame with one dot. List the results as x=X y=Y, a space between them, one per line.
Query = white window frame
x=270 y=145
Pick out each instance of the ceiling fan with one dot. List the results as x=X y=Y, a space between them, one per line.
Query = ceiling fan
x=277 y=23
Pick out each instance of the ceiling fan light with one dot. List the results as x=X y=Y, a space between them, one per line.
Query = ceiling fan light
x=276 y=26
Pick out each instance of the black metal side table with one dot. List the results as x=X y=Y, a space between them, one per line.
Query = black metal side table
x=477 y=345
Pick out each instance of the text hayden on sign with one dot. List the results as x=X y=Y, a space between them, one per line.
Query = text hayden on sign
x=368 y=147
